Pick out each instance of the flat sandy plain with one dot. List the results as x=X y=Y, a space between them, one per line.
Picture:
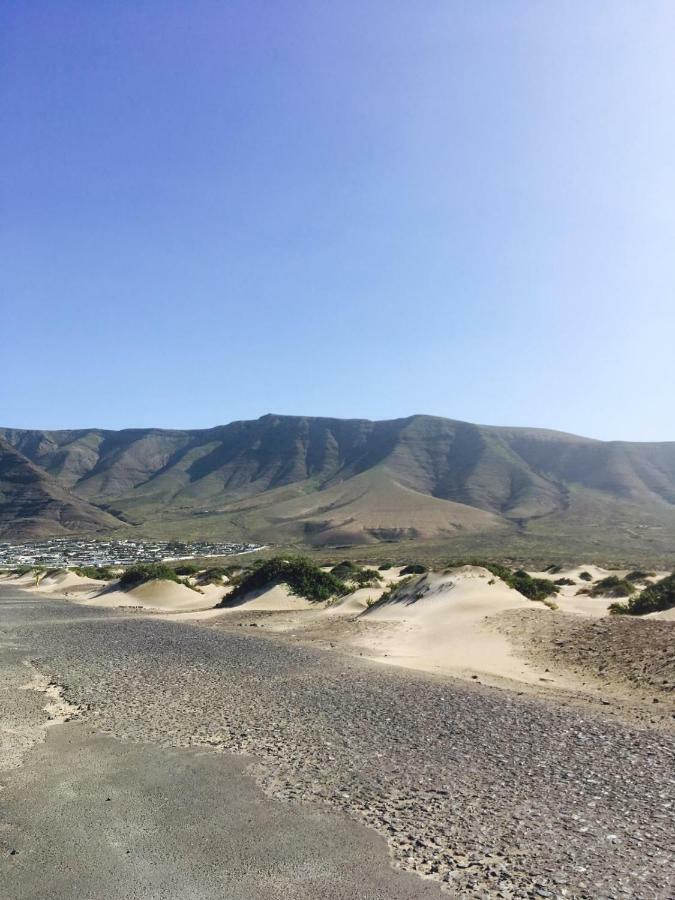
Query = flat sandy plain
x=202 y=760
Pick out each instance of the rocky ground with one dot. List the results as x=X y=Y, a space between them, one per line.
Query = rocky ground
x=490 y=793
x=628 y=661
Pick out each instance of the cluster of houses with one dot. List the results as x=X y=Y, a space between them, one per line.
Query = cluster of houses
x=82 y=552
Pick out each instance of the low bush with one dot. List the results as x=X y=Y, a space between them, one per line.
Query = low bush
x=186 y=569
x=302 y=577
x=96 y=573
x=612 y=586
x=413 y=569
x=655 y=598
x=345 y=569
x=385 y=567
x=143 y=572
x=359 y=577
x=564 y=582
x=213 y=575
x=585 y=576
x=532 y=588
x=637 y=576
x=367 y=578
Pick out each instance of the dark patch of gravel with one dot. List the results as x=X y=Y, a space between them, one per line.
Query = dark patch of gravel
x=494 y=794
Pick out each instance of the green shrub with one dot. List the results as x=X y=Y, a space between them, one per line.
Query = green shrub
x=143 y=572
x=637 y=576
x=96 y=573
x=655 y=598
x=532 y=588
x=186 y=569
x=302 y=577
x=348 y=571
x=345 y=569
x=367 y=578
x=612 y=586
x=562 y=582
x=213 y=575
x=618 y=609
x=413 y=569
x=585 y=576
x=385 y=567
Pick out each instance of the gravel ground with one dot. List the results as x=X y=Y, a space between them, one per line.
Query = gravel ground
x=635 y=657
x=92 y=817
x=492 y=793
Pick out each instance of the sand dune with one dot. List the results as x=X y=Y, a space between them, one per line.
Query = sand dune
x=272 y=599
x=570 y=601
x=437 y=624
x=356 y=602
x=65 y=582
x=158 y=595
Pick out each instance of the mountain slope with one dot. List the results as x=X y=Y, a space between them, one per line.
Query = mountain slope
x=33 y=503
x=328 y=481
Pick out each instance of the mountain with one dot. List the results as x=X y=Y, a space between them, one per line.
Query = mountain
x=33 y=503
x=328 y=481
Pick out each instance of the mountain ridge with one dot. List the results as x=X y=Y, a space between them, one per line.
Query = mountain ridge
x=325 y=480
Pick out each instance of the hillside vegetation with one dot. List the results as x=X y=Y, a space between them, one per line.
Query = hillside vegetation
x=302 y=578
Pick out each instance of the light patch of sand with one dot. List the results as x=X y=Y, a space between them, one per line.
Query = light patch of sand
x=437 y=623
x=65 y=583
x=668 y=614
x=355 y=603
x=272 y=599
x=568 y=601
x=158 y=596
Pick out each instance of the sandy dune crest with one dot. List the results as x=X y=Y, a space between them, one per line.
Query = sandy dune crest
x=438 y=624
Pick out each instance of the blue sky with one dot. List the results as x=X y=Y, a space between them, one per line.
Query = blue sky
x=214 y=210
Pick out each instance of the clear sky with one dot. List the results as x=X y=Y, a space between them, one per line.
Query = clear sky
x=214 y=210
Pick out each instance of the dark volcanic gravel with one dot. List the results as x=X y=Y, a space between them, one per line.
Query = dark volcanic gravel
x=495 y=794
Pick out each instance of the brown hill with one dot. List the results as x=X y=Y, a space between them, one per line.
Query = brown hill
x=328 y=481
x=33 y=503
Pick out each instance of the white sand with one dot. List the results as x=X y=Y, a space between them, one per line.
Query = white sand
x=355 y=603
x=63 y=583
x=568 y=599
x=158 y=595
x=273 y=599
x=668 y=614
x=438 y=624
